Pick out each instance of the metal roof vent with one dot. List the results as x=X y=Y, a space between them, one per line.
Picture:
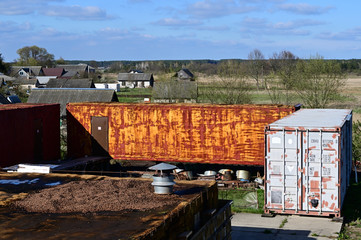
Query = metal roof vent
x=162 y=180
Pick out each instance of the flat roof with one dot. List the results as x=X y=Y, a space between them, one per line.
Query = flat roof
x=314 y=118
x=5 y=107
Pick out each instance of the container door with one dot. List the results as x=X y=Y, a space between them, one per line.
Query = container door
x=320 y=190
x=99 y=132
x=282 y=159
x=38 y=141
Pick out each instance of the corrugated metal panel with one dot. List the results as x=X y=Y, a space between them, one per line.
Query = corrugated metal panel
x=134 y=76
x=70 y=83
x=66 y=95
x=308 y=162
x=29 y=133
x=224 y=134
x=175 y=90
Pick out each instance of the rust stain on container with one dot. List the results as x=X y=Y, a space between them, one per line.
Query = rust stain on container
x=321 y=155
x=224 y=134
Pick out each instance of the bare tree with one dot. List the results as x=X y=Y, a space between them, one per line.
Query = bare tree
x=283 y=66
x=231 y=87
x=319 y=82
x=255 y=66
x=273 y=87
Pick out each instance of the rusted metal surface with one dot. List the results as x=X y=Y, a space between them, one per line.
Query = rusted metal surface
x=308 y=162
x=223 y=134
x=29 y=133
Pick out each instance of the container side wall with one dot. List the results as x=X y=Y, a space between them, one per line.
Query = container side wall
x=181 y=133
x=30 y=133
x=78 y=138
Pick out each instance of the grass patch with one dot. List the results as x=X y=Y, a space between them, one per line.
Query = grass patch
x=357 y=110
x=135 y=91
x=133 y=95
x=352 y=207
x=260 y=97
x=244 y=200
x=352 y=212
x=129 y=99
x=283 y=223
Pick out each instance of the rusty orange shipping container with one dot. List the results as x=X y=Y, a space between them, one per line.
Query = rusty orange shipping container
x=196 y=133
x=29 y=133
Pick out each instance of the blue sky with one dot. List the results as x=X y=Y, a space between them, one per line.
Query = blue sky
x=187 y=29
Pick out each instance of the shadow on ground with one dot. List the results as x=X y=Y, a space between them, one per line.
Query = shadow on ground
x=254 y=233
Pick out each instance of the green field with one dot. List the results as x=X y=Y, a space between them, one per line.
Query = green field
x=244 y=200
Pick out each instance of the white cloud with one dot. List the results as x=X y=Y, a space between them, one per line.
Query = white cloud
x=353 y=34
x=214 y=9
x=213 y=28
x=175 y=22
x=138 y=1
x=23 y=7
x=260 y=26
x=13 y=27
x=303 y=8
x=77 y=12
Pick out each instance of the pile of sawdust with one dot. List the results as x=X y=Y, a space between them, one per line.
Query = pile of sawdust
x=97 y=196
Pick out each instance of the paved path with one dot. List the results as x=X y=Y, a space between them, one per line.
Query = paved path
x=253 y=226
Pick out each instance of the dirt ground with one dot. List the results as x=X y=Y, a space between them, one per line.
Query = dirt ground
x=97 y=196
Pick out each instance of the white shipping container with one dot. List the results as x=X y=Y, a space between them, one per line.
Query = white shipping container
x=308 y=162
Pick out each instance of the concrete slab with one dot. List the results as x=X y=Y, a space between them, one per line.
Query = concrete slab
x=253 y=226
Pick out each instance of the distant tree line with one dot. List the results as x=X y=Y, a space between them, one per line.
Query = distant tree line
x=315 y=80
x=256 y=62
x=211 y=67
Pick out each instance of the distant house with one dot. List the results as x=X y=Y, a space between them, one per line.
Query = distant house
x=43 y=80
x=184 y=75
x=175 y=92
x=135 y=71
x=5 y=78
x=51 y=73
x=114 y=86
x=26 y=84
x=70 y=74
x=55 y=72
x=26 y=72
x=181 y=88
x=135 y=80
x=70 y=83
x=82 y=69
x=64 y=96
